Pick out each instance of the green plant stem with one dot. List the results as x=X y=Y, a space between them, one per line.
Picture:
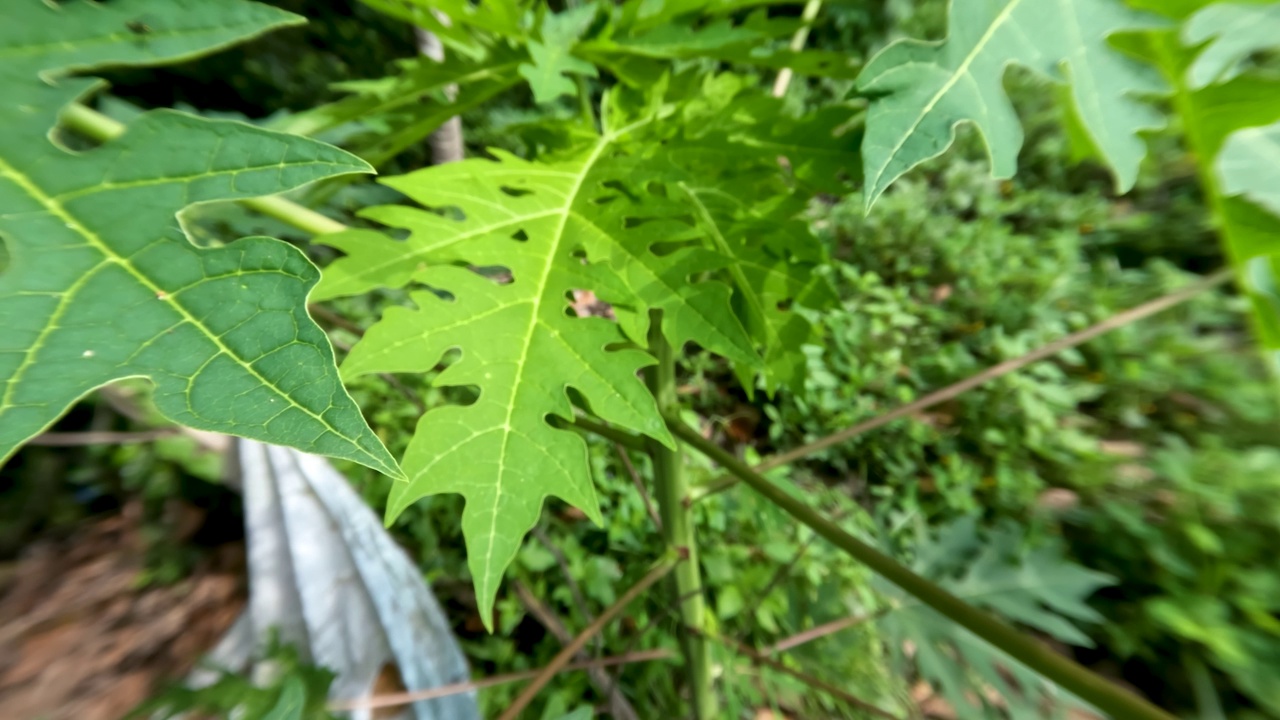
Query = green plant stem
x=585 y=109
x=798 y=40
x=938 y=396
x=96 y=126
x=1103 y=694
x=623 y=438
x=672 y=494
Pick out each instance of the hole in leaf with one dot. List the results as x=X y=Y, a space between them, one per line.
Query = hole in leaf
x=449 y=212
x=520 y=236
x=462 y=395
x=417 y=285
x=497 y=273
x=515 y=192
x=577 y=399
x=663 y=249
x=450 y=356
x=441 y=293
x=584 y=303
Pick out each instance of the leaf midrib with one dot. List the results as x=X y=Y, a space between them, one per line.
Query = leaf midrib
x=536 y=307
x=734 y=268
x=960 y=71
x=522 y=364
x=111 y=257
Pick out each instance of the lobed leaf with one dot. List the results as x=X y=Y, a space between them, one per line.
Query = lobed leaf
x=101 y=282
x=739 y=156
x=1236 y=147
x=1249 y=165
x=1232 y=32
x=921 y=91
x=405 y=108
x=600 y=218
x=551 y=58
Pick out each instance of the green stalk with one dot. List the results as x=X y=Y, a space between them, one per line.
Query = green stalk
x=672 y=493
x=586 y=110
x=1102 y=693
x=798 y=40
x=96 y=126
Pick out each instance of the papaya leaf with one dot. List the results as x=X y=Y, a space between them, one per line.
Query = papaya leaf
x=921 y=91
x=683 y=40
x=1249 y=165
x=585 y=222
x=1233 y=32
x=102 y=284
x=1234 y=181
x=634 y=40
x=550 y=56
x=405 y=108
x=774 y=263
x=1249 y=171
x=502 y=18
x=738 y=155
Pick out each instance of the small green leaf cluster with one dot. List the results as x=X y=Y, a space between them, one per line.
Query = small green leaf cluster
x=1200 y=580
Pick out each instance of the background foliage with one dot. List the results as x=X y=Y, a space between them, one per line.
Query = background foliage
x=1148 y=455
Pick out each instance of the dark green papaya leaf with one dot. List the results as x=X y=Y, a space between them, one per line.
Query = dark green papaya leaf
x=101 y=282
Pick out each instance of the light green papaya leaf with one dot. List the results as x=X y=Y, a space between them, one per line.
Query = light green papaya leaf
x=509 y=242
x=683 y=40
x=727 y=149
x=101 y=282
x=775 y=258
x=1249 y=165
x=1248 y=170
x=401 y=110
x=502 y=18
x=921 y=91
x=1235 y=146
x=1233 y=31
x=550 y=56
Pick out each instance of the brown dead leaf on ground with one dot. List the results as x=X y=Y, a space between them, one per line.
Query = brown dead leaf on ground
x=79 y=639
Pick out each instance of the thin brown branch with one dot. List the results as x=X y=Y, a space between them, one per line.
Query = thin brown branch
x=320 y=312
x=575 y=590
x=951 y=391
x=639 y=483
x=391 y=380
x=759 y=658
x=125 y=405
x=397 y=699
x=816 y=633
x=101 y=437
x=568 y=651
x=811 y=681
x=607 y=687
